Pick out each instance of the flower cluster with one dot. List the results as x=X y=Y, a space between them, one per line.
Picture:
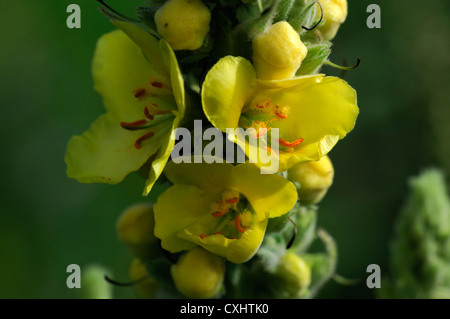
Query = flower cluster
x=219 y=227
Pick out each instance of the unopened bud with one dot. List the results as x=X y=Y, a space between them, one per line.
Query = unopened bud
x=334 y=14
x=278 y=52
x=146 y=288
x=135 y=229
x=183 y=23
x=199 y=274
x=294 y=274
x=314 y=179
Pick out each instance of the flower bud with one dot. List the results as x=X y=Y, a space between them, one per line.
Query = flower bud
x=334 y=14
x=314 y=178
x=183 y=23
x=146 y=289
x=93 y=284
x=278 y=52
x=199 y=274
x=135 y=229
x=294 y=274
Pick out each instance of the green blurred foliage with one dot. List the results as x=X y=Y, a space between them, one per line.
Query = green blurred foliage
x=48 y=221
x=420 y=249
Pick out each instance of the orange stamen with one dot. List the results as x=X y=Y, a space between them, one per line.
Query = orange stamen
x=261 y=133
x=139 y=93
x=216 y=233
x=137 y=144
x=147 y=114
x=133 y=124
x=261 y=106
x=238 y=224
x=232 y=200
x=291 y=144
x=220 y=213
x=151 y=111
x=281 y=115
x=158 y=85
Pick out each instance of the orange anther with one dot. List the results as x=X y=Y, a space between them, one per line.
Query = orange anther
x=137 y=144
x=238 y=224
x=158 y=85
x=291 y=144
x=281 y=115
x=220 y=213
x=139 y=93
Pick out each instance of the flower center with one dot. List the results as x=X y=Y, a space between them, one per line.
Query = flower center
x=234 y=214
x=154 y=113
x=262 y=115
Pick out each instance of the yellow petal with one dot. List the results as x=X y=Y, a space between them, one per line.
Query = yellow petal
x=234 y=250
x=270 y=195
x=176 y=78
x=161 y=158
x=106 y=153
x=177 y=208
x=214 y=177
x=225 y=90
x=120 y=70
x=148 y=44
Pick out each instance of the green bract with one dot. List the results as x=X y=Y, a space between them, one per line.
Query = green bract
x=143 y=92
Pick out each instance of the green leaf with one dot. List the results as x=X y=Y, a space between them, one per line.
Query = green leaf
x=283 y=9
x=317 y=54
x=270 y=252
x=306 y=221
x=302 y=13
x=147 y=15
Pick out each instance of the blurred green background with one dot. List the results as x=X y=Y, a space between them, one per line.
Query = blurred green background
x=48 y=221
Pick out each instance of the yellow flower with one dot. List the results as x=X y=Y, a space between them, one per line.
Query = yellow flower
x=278 y=52
x=220 y=207
x=143 y=92
x=311 y=112
x=334 y=14
x=183 y=23
x=198 y=274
